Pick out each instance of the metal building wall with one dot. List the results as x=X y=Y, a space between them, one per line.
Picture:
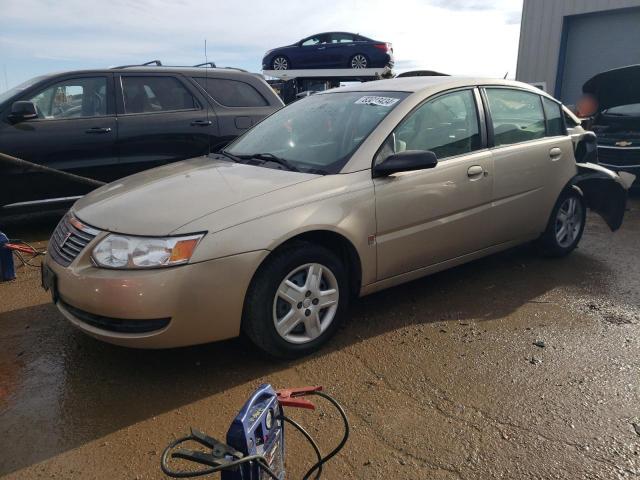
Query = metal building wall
x=541 y=34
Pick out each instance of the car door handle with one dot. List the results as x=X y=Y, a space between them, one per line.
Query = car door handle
x=555 y=153
x=321 y=48
x=201 y=123
x=476 y=171
x=98 y=130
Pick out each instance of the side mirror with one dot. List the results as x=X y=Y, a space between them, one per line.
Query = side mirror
x=23 y=110
x=406 y=161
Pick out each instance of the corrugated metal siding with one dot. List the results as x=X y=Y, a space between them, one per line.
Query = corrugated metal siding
x=541 y=32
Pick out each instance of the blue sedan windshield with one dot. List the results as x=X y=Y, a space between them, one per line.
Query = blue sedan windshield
x=318 y=133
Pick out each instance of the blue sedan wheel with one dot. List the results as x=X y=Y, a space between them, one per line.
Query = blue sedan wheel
x=359 y=61
x=280 y=63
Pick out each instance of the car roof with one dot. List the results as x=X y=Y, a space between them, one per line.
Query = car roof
x=433 y=84
x=158 y=69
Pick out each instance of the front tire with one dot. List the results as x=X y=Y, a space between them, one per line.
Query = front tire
x=565 y=226
x=280 y=63
x=296 y=301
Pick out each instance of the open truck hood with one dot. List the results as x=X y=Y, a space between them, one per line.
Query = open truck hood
x=615 y=87
x=156 y=202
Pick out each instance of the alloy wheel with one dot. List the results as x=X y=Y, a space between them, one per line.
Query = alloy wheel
x=280 y=63
x=568 y=221
x=359 y=61
x=305 y=303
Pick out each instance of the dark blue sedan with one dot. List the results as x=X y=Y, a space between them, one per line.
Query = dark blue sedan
x=330 y=50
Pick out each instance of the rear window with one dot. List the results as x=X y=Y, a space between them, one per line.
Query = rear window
x=516 y=115
x=232 y=93
x=555 y=121
x=155 y=94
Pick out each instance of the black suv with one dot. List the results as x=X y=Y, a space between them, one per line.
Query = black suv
x=106 y=124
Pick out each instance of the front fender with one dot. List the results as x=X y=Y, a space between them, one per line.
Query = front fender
x=604 y=190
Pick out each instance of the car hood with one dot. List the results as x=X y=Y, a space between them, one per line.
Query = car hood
x=159 y=201
x=615 y=87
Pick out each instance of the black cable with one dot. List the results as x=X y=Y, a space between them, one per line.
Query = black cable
x=309 y=438
x=164 y=465
x=344 y=438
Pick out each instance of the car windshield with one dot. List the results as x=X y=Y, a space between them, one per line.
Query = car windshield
x=318 y=133
x=631 y=110
x=4 y=96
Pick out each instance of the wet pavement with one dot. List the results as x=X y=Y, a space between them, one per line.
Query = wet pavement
x=440 y=377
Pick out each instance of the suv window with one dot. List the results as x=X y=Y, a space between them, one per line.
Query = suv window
x=75 y=98
x=232 y=93
x=554 y=115
x=155 y=94
x=516 y=116
x=446 y=125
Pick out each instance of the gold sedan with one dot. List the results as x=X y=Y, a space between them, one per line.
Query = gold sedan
x=338 y=195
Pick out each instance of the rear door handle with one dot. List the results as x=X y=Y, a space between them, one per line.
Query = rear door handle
x=555 y=153
x=201 y=123
x=476 y=171
x=98 y=130
x=321 y=48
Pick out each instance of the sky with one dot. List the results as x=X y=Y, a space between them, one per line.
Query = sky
x=464 y=37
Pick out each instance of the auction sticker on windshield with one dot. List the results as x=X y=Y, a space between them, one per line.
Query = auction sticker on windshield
x=375 y=100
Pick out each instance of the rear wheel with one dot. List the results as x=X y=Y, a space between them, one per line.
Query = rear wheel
x=359 y=61
x=280 y=63
x=296 y=301
x=565 y=226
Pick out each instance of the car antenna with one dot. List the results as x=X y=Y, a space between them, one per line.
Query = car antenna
x=505 y=76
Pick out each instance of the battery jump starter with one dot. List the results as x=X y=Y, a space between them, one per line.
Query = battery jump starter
x=255 y=448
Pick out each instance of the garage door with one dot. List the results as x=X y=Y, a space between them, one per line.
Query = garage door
x=595 y=43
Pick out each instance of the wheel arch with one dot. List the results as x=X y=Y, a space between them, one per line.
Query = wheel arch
x=333 y=241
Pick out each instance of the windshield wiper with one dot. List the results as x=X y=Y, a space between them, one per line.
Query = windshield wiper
x=230 y=156
x=270 y=157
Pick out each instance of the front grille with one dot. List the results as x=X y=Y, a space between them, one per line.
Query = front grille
x=619 y=157
x=69 y=239
x=118 y=325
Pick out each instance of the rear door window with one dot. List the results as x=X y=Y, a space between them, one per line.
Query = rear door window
x=232 y=93
x=75 y=98
x=156 y=94
x=342 y=38
x=554 y=115
x=516 y=115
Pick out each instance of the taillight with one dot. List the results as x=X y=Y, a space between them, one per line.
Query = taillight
x=387 y=47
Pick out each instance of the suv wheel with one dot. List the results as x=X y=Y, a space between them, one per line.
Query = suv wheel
x=280 y=63
x=296 y=301
x=566 y=225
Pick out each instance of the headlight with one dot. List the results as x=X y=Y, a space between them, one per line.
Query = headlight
x=121 y=251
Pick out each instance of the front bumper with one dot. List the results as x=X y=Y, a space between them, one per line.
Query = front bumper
x=179 y=306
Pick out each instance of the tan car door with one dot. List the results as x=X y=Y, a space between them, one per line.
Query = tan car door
x=530 y=168
x=429 y=216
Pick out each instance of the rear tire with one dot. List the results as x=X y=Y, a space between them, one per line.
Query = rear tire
x=296 y=301
x=565 y=226
x=358 y=61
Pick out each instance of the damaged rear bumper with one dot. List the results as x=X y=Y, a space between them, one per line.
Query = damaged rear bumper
x=605 y=191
